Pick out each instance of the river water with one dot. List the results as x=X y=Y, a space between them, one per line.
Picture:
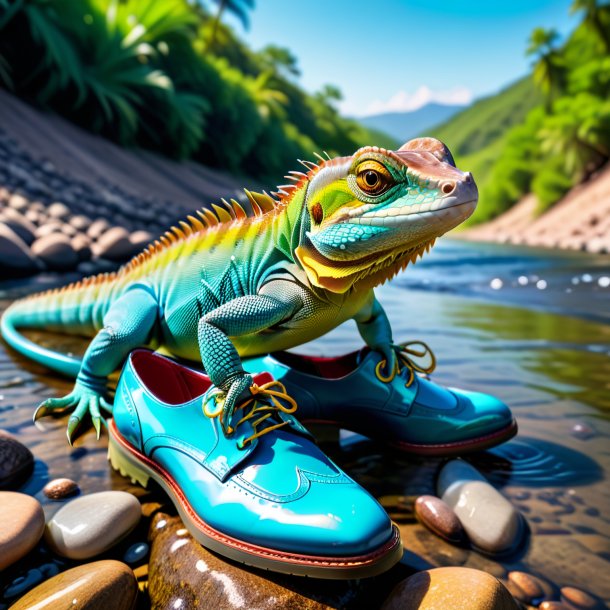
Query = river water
x=530 y=326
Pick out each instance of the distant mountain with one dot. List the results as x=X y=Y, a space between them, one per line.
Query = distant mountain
x=403 y=126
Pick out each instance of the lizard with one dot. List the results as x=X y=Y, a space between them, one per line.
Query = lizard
x=228 y=283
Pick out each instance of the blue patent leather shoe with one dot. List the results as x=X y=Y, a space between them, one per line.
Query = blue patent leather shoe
x=398 y=407
x=264 y=495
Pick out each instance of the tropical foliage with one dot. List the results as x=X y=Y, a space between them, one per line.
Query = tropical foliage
x=549 y=131
x=169 y=75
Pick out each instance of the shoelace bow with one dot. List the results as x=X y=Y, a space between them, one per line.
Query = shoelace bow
x=261 y=410
x=404 y=360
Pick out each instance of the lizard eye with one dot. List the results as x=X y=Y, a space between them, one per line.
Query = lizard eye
x=373 y=178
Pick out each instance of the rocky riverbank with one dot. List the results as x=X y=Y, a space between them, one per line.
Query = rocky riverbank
x=580 y=221
x=71 y=201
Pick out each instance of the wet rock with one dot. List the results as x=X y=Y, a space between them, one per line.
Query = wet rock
x=16 y=462
x=22 y=526
x=455 y=588
x=439 y=518
x=59 y=489
x=136 y=552
x=82 y=246
x=93 y=586
x=553 y=606
x=579 y=599
x=180 y=568
x=140 y=239
x=528 y=588
x=68 y=230
x=103 y=519
x=80 y=222
x=114 y=245
x=15 y=256
x=98 y=227
x=58 y=210
x=20 y=224
x=56 y=251
x=490 y=520
x=18 y=202
x=49 y=228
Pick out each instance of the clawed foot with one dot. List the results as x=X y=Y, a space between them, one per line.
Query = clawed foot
x=236 y=389
x=83 y=400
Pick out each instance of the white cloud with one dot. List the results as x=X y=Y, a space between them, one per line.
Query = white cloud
x=404 y=101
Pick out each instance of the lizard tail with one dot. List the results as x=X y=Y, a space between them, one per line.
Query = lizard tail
x=78 y=308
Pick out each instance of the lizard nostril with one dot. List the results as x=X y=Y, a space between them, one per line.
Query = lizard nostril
x=448 y=188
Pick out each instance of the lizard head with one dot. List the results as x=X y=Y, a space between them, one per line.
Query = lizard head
x=367 y=216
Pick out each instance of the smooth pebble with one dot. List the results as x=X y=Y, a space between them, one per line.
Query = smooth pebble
x=529 y=588
x=136 y=552
x=579 y=599
x=22 y=526
x=437 y=516
x=58 y=489
x=454 y=588
x=490 y=520
x=93 y=586
x=91 y=524
x=16 y=462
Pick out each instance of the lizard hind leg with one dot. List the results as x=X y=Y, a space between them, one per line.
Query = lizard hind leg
x=127 y=324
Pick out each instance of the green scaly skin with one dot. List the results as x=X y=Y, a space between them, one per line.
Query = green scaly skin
x=227 y=284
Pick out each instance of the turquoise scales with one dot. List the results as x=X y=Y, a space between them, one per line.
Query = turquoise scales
x=227 y=285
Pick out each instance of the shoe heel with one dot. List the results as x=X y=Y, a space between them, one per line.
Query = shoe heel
x=123 y=463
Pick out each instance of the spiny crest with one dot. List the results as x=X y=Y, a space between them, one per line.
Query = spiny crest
x=382 y=272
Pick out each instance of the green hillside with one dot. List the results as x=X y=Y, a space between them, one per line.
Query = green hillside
x=489 y=118
x=476 y=135
x=547 y=132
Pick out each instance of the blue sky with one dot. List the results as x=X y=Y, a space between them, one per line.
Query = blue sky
x=398 y=54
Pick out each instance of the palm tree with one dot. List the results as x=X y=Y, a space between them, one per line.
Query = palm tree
x=239 y=8
x=593 y=11
x=578 y=133
x=549 y=71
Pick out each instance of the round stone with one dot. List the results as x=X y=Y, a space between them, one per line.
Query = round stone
x=22 y=526
x=579 y=599
x=16 y=462
x=92 y=586
x=58 y=210
x=439 y=518
x=24 y=583
x=15 y=256
x=140 y=239
x=20 y=224
x=114 y=245
x=80 y=222
x=58 y=489
x=455 y=588
x=553 y=606
x=48 y=228
x=528 y=588
x=18 y=202
x=90 y=525
x=136 y=552
x=56 y=251
x=82 y=246
x=98 y=227
x=491 y=522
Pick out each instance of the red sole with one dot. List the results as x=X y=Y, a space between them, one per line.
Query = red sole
x=445 y=449
x=370 y=560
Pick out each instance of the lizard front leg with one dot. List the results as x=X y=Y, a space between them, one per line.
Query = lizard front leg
x=374 y=327
x=127 y=325
x=241 y=316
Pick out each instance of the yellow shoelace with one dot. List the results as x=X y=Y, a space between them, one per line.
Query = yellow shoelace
x=405 y=360
x=260 y=410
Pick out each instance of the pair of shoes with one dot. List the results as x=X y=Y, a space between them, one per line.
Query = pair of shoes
x=257 y=489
